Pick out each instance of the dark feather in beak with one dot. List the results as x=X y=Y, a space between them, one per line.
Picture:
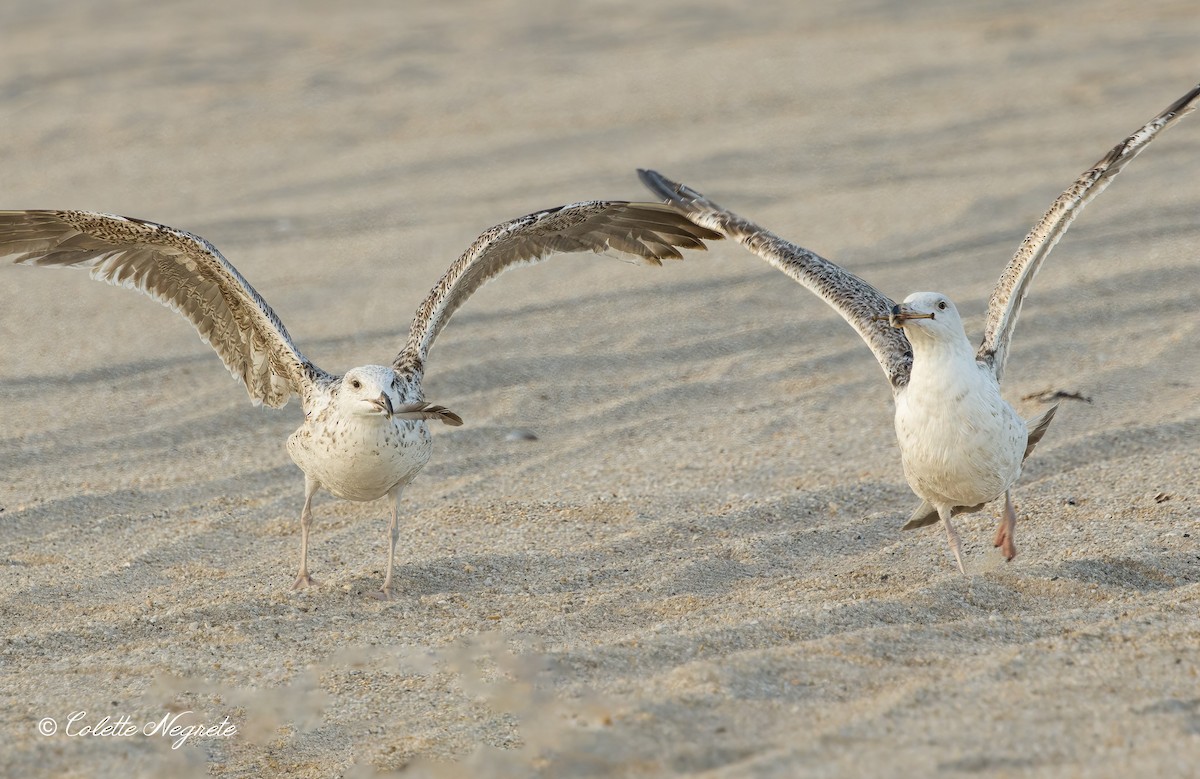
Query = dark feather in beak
x=385 y=405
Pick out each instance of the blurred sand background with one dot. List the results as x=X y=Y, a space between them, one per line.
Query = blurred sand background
x=697 y=568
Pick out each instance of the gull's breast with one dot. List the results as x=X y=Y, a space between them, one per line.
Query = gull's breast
x=961 y=443
x=361 y=458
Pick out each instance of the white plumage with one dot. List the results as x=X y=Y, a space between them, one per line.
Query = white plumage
x=961 y=443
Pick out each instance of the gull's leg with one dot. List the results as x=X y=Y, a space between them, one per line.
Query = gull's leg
x=952 y=537
x=311 y=486
x=385 y=592
x=1007 y=530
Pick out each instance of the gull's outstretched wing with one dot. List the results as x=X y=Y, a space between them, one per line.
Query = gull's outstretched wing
x=856 y=300
x=183 y=272
x=1005 y=303
x=644 y=232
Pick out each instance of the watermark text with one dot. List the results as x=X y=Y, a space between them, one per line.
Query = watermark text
x=176 y=728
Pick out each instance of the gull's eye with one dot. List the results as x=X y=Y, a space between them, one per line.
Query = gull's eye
x=356 y=384
x=941 y=305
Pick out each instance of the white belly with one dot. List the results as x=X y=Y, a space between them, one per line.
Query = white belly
x=960 y=442
x=361 y=458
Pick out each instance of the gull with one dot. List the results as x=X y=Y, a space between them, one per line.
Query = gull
x=365 y=433
x=961 y=444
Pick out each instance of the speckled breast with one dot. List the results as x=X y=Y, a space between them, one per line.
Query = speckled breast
x=361 y=458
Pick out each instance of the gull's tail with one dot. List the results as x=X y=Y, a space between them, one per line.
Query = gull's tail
x=1037 y=429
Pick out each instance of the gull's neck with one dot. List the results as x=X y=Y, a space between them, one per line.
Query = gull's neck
x=938 y=354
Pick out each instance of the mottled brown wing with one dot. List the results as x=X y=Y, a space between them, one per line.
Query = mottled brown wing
x=644 y=232
x=1005 y=304
x=854 y=299
x=180 y=270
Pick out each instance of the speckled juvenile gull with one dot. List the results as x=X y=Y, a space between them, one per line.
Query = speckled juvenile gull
x=364 y=433
x=961 y=443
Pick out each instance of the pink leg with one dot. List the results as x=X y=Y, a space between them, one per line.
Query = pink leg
x=302 y=578
x=952 y=537
x=1007 y=531
x=385 y=592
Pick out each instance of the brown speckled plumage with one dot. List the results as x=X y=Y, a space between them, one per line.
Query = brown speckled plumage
x=364 y=433
x=1004 y=306
x=181 y=271
x=645 y=232
x=856 y=300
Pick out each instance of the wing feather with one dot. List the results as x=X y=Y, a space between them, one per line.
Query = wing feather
x=854 y=299
x=1005 y=304
x=183 y=272
x=645 y=232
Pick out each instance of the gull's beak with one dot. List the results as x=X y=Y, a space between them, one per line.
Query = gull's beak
x=901 y=313
x=385 y=405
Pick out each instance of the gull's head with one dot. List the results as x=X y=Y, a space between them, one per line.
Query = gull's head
x=371 y=390
x=927 y=313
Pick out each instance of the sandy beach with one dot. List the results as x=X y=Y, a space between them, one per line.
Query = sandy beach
x=697 y=568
